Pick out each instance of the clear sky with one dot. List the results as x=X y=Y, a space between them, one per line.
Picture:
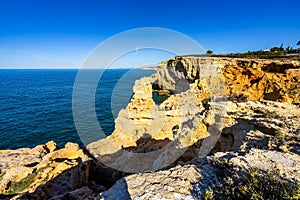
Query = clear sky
x=61 y=33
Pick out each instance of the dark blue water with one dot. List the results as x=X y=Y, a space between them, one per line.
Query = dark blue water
x=36 y=105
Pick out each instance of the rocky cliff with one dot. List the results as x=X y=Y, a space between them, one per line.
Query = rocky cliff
x=197 y=92
x=273 y=80
x=222 y=128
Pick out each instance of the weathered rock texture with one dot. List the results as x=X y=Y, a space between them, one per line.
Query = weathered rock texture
x=244 y=114
x=185 y=116
x=264 y=135
x=259 y=174
x=260 y=124
x=43 y=170
x=255 y=79
x=265 y=138
x=178 y=118
x=191 y=82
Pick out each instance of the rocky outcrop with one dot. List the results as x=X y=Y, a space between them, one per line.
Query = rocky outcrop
x=260 y=124
x=43 y=170
x=256 y=79
x=175 y=183
x=257 y=155
x=185 y=118
x=178 y=119
x=258 y=174
x=259 y=128
x=262 y=136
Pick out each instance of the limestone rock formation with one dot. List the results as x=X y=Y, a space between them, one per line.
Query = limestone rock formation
x=263 y=140
x=256 y=79
x=260 y=124
x=222 y=176
x=175 y=183
x=178 y=119
x=183 y=118
x=35 y=170
x=256 y=129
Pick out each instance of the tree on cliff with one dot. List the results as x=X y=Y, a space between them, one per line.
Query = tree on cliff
x=209 y=52
x=281 y=48
x=274 y=49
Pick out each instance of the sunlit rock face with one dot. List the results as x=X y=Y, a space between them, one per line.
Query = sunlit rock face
x=43 y=168
x=257 y=155
x=180 y=121
x=256 y=79
x=177 y=119
x=193 y=86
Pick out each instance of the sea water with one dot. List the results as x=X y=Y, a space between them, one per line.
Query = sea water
x=36 y=105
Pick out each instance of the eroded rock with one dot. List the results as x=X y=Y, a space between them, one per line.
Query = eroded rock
x=192 y=111
x=222 y=176
x=43 y=170
x=256 y=79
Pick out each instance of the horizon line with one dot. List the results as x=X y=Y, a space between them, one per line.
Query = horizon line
x=70 y=68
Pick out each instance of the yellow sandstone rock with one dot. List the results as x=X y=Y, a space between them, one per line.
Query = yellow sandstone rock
x=188 y=81
x=23 y=170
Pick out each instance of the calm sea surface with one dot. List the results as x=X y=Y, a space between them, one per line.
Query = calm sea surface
x=36 y=105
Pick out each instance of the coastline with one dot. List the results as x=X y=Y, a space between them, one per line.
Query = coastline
x=259 y=134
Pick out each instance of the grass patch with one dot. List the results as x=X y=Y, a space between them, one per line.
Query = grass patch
x=18 y=187
x=256 y=185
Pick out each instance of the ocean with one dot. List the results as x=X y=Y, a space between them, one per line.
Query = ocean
x=36 y=105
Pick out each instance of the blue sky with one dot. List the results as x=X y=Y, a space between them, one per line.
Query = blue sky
x=60 y=34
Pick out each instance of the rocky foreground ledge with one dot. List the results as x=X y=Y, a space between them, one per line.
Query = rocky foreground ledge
x=257 y=154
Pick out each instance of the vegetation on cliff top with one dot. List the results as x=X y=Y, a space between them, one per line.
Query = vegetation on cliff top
x=276 y=52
